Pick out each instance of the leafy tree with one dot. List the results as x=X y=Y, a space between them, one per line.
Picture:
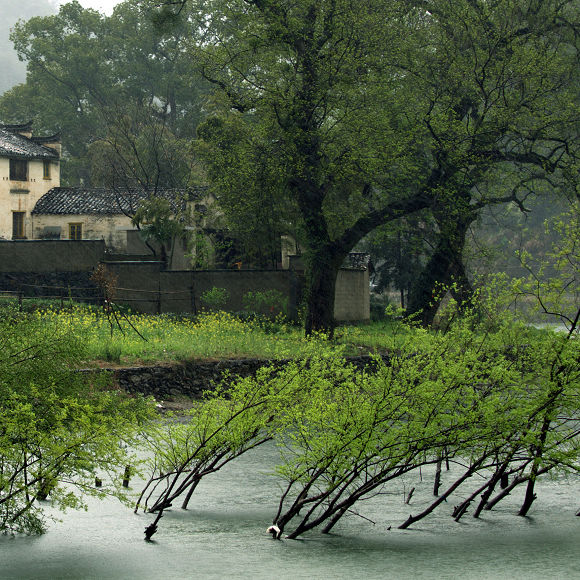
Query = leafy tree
x=398 y=252
x=231 y=421
x=59 y=428
x=302 y=89
x=103 y=78
x=161 y=221
x=367 y=112
x=487 y=392
x=501 y=81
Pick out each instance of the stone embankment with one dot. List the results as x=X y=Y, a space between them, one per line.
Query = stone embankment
x=192 y=378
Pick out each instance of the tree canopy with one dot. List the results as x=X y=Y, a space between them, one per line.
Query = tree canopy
x=370 y=111
x=327 y=119
x=106 y=79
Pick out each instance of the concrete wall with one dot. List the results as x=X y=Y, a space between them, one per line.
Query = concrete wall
x=50 y=255
x=352 y=299
x=23 y=195
x=147 y=288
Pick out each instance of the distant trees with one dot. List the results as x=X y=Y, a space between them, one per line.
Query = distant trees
x=110 y=83
x=126 y=100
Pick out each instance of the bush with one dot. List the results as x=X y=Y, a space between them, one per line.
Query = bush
x=379 y=305
x=267 y=302
x=216 y=298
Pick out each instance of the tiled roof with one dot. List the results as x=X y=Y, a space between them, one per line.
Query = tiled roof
x=14 y=145
x=101 y=201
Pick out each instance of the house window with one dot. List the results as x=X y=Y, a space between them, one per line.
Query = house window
x=75 y=231
x=18 y=225
x=18 y=170
x=46 y=169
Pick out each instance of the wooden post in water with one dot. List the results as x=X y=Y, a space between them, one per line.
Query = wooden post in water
x=437 y=482
x=126 y=476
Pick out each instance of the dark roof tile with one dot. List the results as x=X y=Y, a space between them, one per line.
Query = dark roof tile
x=101 y=201
x=357 y=261
x=15 y=145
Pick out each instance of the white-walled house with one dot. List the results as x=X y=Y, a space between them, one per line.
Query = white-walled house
x=29 y=167
x=81 y=213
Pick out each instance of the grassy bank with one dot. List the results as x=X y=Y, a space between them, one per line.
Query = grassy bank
x=128 y=339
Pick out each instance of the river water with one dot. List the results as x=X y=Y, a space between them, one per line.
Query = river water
x=222 y=535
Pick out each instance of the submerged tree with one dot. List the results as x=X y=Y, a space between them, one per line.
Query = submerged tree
x=231 y=420
x=59 y=428
x=488 y=393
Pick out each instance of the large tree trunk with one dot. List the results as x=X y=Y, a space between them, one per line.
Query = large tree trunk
x=445 y=268
x=321 y=274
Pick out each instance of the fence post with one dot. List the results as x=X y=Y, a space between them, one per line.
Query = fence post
x=159 y=297
x=20 y=298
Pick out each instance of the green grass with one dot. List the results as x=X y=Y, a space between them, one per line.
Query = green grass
x=128 y=339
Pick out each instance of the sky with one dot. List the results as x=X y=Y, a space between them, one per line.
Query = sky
x=105 y=6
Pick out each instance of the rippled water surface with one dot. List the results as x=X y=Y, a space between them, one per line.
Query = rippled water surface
x=223 y=536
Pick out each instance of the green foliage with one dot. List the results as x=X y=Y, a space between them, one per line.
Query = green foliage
x=378 y=306
x=488 y=392
x=216 y=298
x=111 y=81
x=553 y=281
x=58 y=427
x=269 y=302
x=356 y=114
x=159 y=220
x=111 y=352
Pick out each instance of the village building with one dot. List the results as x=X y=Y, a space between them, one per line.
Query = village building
x=33 y=206
x=29 y=167
x=78 y=213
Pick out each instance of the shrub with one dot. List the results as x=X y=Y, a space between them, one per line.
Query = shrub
x=266 y=302
x=216 y=298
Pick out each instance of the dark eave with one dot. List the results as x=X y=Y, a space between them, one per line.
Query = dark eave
x=17 y=146
x=106 y=202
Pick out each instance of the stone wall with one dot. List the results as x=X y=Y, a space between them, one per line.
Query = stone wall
x=192 y=379
x=352 y=299
x=147 y=288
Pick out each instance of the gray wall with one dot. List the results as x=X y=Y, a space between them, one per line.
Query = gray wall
x=50 y=255
x=147 y=288
x=352 y=298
